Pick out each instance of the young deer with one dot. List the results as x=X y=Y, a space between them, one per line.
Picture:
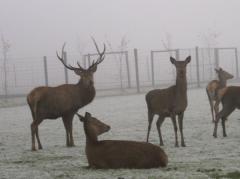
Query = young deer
x=64 y=100
x=117 y=153
x=169 y=102
x=230 y=101
x=215 y=89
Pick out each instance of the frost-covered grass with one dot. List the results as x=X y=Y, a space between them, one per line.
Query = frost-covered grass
x=204 y=156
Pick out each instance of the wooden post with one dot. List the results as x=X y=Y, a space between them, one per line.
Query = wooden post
x=197 y=66
x=152 y=67
x=136 y=68
x=65 y=69
x=45 y=70
x=128 y=69
x=236 y=57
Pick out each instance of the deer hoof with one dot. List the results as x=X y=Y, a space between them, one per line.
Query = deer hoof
x=176 y=145
x=183 y=145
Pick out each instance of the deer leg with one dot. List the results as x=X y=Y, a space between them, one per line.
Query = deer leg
x=38 y=139
x=70 y=132
x=150 y=119
x=34 y=127
x=223 y=126
x=180 y=123
x=158 y=124
x=67 y=133
x=211 y=104
x=173 y=117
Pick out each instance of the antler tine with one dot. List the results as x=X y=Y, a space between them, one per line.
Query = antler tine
x=80 y=67
x=62 y=60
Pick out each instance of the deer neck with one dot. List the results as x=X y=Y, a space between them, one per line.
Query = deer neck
x=88 y=91
x=91 y=138
x=222 y=82
x=181 y=85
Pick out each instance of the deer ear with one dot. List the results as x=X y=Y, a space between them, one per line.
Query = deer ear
x=188 y=59
x=81 y=118
x=172 y=60
x=88 y=115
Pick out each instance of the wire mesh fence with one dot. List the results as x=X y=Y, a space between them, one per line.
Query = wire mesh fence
x=120 y=71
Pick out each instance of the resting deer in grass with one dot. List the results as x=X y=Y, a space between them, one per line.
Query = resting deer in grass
x=118 y=153
x=64 y=100
x=169 y=102
x=230 y=101
x=214 y=90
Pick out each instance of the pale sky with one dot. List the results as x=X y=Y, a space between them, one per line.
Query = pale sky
x=39 y=27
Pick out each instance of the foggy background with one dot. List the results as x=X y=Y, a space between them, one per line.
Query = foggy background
x=34 y=29
x=37 y=28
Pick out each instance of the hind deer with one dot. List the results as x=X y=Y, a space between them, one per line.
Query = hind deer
x=169 y=102
x=215 y=90
x=116 y=154
x=230 y=101
x=64 y=100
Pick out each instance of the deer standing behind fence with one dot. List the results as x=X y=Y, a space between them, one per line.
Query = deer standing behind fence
x=169 y=102
x=64 y=100
x=118 y=153
x=215 y=89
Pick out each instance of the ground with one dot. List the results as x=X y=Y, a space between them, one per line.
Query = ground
x=203 y=157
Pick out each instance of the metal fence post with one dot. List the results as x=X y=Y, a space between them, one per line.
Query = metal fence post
x=45 y=70
x=152 y=67
x=236 y=57
x=136 y=68
x=128 y=69
x=89 y=60
x=65 y=69
x=197 y=67
x=177 y=55
x=216 y=56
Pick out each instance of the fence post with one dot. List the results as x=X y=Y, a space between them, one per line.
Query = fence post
x=152 y=67
x=236 y=57
x=136 y=68
x=128 y=70
x=216 y=56
x=177 y=55
x=197 y=66
x=65 y=69
x=89 y=60
x=45 y=70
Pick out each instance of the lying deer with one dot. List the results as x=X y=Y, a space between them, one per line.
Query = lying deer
x=64 y=100
x=169 y=102
x=230 y=101
x=215 y=90
x=117 y=153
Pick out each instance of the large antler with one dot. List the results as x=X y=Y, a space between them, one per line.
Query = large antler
x=63 y=62
x=101 y=54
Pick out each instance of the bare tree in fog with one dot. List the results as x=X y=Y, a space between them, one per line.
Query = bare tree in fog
x=122 y=47
x=5 y=47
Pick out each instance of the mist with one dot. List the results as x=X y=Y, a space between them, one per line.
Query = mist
x=37 y=28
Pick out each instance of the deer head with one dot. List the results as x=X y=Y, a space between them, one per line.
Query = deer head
x=223 y=75
x=180 y=65
x=92 y=124
x=85 y=74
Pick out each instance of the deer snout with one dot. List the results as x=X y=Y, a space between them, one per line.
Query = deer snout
x=108 y=128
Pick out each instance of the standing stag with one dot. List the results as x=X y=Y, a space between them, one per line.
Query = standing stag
x=215 y=90
x=169 y=102
x=64 y=100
